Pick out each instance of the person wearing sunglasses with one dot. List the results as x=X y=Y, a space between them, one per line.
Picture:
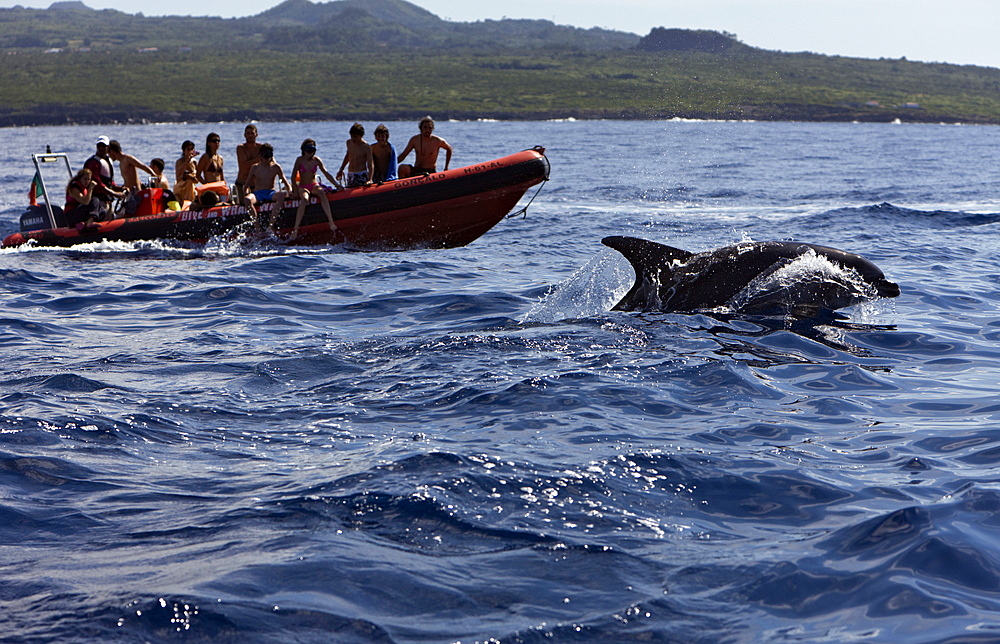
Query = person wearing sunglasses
x=305 y=185
x=210 y=163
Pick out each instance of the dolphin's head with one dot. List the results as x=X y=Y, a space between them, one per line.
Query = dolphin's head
x=885 y=288
x=869 y=272
x=818 y=278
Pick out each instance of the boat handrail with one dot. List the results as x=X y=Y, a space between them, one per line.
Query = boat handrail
x=49 y=157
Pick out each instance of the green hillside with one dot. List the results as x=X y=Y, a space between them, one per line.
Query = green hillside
x=385 y=59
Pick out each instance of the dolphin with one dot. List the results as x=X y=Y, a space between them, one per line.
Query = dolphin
x=756 y=278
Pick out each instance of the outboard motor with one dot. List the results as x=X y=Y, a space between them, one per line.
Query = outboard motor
x=37 y=218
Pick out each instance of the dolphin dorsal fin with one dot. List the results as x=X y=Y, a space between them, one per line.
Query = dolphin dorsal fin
x=647 y=258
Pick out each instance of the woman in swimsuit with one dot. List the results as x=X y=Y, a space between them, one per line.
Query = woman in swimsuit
x=304 y=184
x=210 y=163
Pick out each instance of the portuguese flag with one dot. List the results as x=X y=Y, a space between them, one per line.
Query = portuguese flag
x=36 y=190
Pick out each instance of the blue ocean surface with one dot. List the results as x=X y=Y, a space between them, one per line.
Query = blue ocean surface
x=243 y=442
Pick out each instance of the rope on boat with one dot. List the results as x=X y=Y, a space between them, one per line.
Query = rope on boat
x=524 y=211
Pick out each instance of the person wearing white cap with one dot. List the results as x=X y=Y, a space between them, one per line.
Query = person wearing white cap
x=103 y=172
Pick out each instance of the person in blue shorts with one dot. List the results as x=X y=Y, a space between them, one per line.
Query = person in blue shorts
x=261 y=181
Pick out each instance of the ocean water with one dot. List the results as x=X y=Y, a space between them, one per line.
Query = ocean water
x=248 y=443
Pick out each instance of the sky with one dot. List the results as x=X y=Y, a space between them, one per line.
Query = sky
x=950 y=31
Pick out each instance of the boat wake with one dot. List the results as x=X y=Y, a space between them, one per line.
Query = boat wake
x=226 y=245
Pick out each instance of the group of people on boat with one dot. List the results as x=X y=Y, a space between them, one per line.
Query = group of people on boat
x=93 y=187
x=202 y=183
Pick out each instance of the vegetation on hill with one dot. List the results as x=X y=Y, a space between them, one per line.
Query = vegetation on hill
x=662 y=39
x=292 y=25
x=385 y=59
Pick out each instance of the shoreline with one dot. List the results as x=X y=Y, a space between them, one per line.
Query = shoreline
x=813 y=115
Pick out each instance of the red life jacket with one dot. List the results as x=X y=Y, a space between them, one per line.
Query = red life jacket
x=71 y=201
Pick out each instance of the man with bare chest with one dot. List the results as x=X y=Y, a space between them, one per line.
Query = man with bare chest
x=128 y=165
x=425 y=146
x=247 y=154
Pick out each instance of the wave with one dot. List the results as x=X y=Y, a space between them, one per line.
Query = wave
x=888 y=214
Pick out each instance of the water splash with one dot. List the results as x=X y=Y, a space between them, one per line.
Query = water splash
x=593 y=289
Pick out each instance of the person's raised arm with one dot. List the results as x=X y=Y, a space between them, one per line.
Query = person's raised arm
x=409 y=146
x=447 y=153
x=78 y=195
x=142 y=166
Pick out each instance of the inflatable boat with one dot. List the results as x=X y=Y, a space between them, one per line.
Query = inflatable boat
x=438 y=210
